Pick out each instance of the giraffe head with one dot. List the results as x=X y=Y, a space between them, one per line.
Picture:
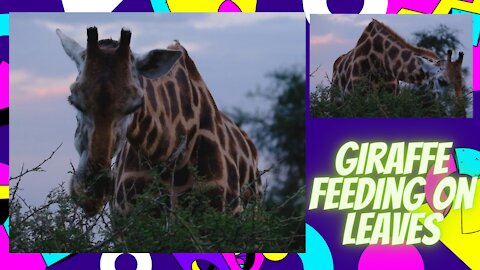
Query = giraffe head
x=446 y=75
x=106 y=94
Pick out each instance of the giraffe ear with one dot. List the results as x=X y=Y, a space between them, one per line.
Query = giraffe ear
x=73 y=49
x=156 y=63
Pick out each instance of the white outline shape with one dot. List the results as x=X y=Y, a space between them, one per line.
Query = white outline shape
x=144 y=260
x=90 y=5
x=320 y=7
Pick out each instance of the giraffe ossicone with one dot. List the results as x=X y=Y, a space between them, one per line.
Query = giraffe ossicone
x=144 y=110
x=381 y=59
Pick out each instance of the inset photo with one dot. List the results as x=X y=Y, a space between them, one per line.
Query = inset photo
x=165 y=132
x=385 y=66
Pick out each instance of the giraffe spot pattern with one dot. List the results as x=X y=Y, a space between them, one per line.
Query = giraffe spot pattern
x=232 y=147
x=172 y=94
x=406 y=54
x=363 y=37
x=233 y=176
x=152 y=99
x=192 y=133
x=146 y=122
x=393 y=52
x=365 y=66
x=192 y=69
x=194 y=94
x=181 y=134
x=241 y=141
x=220 y=135
x=387 y=44
x=206 y=114
x=182 y=81
x=411 y=65
x=216 y=144
x=165 y=100
x=374 y=60
x=131 y=161
x=163 y=142
x=209 y=158
x=356 y=70
x=364 y=49
x=378 y=43
x=253 y=149
x=152 y=137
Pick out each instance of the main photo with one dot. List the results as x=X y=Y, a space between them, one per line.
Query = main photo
x=157 y=132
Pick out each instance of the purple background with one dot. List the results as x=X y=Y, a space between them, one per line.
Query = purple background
x=278 y=5
x=133 y=5
x=325 y=136
x=91 y=261
x=4 y=49
x=4 y=144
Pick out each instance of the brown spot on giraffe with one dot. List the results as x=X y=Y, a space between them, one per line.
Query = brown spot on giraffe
x=172 y=95
x=206 y=114
x=387 y=44
x=166 y=101
x=151 y=94
x=378 y=43
x=185 y=93
x=151 y=110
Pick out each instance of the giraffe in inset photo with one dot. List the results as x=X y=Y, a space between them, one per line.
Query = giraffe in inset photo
x=383 y=57
x=389 y=66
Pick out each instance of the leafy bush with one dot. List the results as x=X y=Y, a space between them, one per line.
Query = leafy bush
x=60 y=226
x=412 y=101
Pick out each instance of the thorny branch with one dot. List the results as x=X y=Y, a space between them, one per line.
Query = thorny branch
x=313 y=72
x=37 y=168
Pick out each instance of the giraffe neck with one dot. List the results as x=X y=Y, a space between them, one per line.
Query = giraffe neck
x=395 y=57
x=176 y=106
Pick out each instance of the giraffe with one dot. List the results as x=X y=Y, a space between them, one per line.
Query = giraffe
x=382 y=57
x=156 y=108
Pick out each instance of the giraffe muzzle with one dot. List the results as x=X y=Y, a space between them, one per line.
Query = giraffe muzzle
x=92 y=191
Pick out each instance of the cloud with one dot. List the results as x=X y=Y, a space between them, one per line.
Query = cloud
x=52 y=26
x=78 y=32
x=226 y=20
x=356 y=20
x=26 y=86
x=188 y=45
x=327 y=39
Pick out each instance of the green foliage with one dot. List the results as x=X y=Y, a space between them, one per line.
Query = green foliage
x=54 y=226
x=152 y=226
x=197 y=226
x=365 y=102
